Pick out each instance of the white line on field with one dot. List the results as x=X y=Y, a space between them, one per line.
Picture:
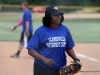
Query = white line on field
x=81 y=55
x=89 y=58
x=92 y=59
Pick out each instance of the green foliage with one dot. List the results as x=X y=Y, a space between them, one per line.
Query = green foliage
x=91 y=2
x=55 y=2
x=11 y=1
x=1 y=2
x=73 y=2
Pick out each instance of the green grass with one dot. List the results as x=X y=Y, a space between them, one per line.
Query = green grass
x=82 y=30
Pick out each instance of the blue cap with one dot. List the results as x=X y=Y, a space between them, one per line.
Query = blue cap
x=52 y=10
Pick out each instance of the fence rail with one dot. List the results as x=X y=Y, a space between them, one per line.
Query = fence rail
x=61 y=7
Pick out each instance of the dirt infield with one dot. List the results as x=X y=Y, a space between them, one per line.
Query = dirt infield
x=88 y=53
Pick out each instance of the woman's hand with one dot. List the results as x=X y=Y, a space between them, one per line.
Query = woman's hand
x=38 y=56
x=49 y=61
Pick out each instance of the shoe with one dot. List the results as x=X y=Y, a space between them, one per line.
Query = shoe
x=15 y=56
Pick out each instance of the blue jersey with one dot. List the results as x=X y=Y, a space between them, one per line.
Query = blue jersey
x=52 y=44
x=27 y=17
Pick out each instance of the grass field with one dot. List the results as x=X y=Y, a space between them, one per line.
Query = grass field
x=82 y=30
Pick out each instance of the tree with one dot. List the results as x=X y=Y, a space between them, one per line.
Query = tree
x=13 y=2
x=55 y=2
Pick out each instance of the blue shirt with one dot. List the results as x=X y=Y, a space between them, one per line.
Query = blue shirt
x=52 y=44
x=27 y=17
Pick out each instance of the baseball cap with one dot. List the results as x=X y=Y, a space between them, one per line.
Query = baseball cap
x=52 y=10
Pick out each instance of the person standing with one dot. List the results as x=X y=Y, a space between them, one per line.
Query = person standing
x=50 y=43
x=27 y=29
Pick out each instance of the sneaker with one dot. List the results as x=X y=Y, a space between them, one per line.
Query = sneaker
x=15 y=56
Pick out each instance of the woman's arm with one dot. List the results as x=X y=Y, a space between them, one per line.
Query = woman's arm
x=38 y=56
x=71 y=53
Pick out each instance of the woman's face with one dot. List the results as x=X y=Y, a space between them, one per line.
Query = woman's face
x=56 y=19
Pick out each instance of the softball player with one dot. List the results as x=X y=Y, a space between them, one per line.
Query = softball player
x=27 y=29
x=50 y=42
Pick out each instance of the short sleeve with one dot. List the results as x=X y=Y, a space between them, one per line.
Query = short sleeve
x=70 y=43
x=34 y=43
x=27 y=17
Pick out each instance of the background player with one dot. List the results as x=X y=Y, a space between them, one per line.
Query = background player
x=27 y=29
x=50 y=42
